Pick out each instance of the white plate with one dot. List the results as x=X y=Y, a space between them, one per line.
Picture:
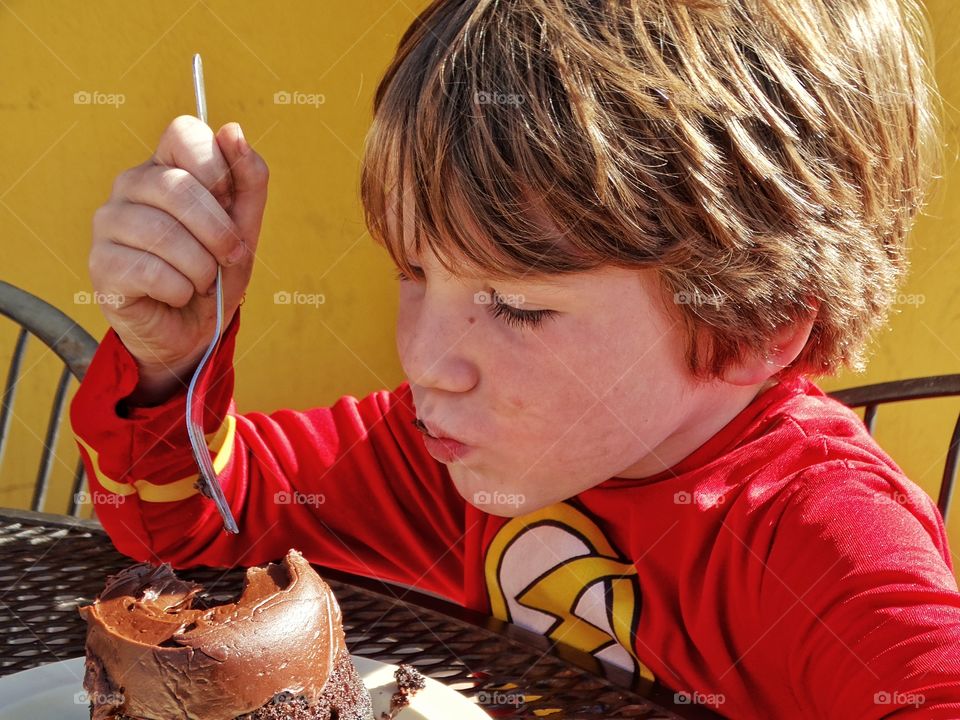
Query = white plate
x=55 y=691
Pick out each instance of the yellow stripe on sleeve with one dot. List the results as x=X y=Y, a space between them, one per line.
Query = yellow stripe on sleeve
x=220 y=442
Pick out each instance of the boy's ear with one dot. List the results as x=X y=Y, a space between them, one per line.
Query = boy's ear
x=781 y=350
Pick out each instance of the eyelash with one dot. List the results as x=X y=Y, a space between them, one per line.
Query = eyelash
x=514 y=317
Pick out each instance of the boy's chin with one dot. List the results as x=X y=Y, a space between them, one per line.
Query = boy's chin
x=503 y=503
x=500 y=509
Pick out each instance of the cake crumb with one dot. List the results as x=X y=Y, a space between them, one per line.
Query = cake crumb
x=409 y=682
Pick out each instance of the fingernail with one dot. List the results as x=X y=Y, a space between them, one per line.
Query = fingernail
x=243 y=147
x=236 y=255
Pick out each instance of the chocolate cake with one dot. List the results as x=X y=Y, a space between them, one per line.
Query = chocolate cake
x=277 y=652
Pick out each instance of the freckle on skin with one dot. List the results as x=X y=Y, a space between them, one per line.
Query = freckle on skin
x=516 y=402
x=471 y=320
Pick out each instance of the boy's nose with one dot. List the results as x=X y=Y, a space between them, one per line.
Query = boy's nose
x=433 y=352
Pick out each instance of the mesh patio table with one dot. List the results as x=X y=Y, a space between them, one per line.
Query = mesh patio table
x=51 y=564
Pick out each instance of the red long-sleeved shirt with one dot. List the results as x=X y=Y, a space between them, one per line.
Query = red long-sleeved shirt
x=785 y=569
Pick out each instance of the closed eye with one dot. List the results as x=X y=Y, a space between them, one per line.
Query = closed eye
x=495 y=302
x=516 y=317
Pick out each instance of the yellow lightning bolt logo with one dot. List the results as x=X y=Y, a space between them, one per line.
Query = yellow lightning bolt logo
x=557 y=590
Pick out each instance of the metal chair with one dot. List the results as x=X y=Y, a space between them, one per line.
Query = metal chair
x=871 y=397
x=74 y=346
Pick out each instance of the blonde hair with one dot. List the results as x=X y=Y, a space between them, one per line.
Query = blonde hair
x=762 y=155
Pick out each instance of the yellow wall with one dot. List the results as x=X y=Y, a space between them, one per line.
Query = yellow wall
x=59 y=159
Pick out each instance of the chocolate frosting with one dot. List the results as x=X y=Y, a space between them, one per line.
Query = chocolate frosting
x=151 y=654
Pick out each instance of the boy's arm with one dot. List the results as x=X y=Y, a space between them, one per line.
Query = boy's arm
x=860 y=596
x=351 y=485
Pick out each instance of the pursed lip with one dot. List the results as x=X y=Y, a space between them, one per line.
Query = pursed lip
x=431 y=429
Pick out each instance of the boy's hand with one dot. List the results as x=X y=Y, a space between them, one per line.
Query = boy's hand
x=198 y=202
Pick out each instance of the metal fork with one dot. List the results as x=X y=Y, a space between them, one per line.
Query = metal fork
x=207 y=482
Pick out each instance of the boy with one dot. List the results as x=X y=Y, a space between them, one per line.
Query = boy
x=628 y=233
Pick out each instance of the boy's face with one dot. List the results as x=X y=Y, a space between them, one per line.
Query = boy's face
x=599 y=389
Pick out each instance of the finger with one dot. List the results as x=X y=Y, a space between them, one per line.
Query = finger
x=189 y=144
x=181 y=195
x=131 y=274
x=142 y=227
x=250 y=178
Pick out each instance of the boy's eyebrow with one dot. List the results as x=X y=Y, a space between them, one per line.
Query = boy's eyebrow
x=543 y=283
x=549 y=283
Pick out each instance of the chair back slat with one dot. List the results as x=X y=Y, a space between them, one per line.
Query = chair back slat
x=871 y=397
x=870 y=417
x=74 y=346
x=899 y=390
x=10 y=387
x=79 y=475
x=50 y=441
x=950 y=471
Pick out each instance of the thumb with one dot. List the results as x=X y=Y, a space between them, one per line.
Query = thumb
x=250 y=176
